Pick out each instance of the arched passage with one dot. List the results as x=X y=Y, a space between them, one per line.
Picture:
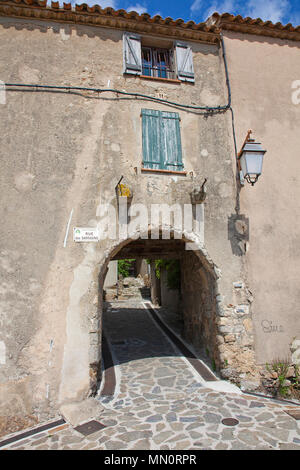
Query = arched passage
x=199 y=284
x=81 y=362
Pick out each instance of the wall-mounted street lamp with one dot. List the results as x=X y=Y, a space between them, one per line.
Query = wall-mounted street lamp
x=250 y=160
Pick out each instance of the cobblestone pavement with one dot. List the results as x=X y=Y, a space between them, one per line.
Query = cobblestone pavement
x=161 y=403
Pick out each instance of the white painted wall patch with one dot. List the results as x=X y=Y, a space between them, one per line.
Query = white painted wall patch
x=2 y=353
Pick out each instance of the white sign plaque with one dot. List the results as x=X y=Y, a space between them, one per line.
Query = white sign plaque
x=85 y=234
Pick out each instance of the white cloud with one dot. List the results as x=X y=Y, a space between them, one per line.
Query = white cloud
x=295 y=19
x=197 y=5
x=226 y=6
x=273 y=10
x=212 y=9
x=91 y=3
x=138 y=8
x=105 y=3
x=221 y=6
x=157 y=13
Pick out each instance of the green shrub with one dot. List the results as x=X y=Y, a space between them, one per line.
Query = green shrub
x=124 y=266
x=172 y=267
x=281 y=368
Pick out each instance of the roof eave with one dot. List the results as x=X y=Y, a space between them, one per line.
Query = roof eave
x=228 y=22
x=108 y=17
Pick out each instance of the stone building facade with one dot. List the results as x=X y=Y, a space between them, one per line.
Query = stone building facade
x=265 y=98
x=73 y=134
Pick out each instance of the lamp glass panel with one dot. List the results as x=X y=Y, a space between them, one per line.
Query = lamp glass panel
x=252 y=162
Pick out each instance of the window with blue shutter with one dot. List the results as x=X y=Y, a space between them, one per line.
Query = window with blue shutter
x=158 y=63
x=161 y=140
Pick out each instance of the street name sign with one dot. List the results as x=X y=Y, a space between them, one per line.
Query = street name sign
x=85 y=234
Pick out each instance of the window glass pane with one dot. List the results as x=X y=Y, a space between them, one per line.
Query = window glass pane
x=162 y=63
x=157 y=62
x=147 y=61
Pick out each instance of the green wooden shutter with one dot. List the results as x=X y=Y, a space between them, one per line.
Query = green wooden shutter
x=151 y=138
x=171 y=141
x=161 y=140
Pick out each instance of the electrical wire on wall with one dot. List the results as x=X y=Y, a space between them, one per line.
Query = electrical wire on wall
x=67 y=89
x=118 y=92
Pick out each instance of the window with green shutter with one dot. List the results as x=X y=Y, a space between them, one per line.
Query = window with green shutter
x=161 y=140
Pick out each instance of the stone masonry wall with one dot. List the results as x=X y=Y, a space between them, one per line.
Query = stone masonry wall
x=224 y=332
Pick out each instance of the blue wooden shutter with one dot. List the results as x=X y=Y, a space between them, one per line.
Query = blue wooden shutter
x=184 y=58
x=132 y=58
x=161 y=140
x=151 y=138
x=171 y=141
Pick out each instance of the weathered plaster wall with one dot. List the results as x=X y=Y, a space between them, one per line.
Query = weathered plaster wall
x=111 y=277
x=64 y=152
x=142 y=267
x=262 y=71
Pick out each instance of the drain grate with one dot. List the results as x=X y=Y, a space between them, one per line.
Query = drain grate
x=90 y=427
x=230 y=421
x=294 y=414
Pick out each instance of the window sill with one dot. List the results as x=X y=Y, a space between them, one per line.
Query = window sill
x=160 y=79
x=172 y=172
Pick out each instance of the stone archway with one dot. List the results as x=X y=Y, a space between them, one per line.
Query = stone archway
x=81 y=370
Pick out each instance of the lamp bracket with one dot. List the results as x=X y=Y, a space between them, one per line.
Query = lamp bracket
x=247 y=139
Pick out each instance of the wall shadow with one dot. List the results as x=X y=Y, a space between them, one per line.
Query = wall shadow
x=238 y=233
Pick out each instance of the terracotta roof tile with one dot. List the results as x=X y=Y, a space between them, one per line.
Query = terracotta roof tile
x=227 y=21
x=121 y=19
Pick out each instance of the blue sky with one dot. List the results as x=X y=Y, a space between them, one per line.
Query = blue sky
x=285 y=11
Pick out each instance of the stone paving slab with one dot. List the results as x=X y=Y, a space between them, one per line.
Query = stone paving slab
x=162 y=404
